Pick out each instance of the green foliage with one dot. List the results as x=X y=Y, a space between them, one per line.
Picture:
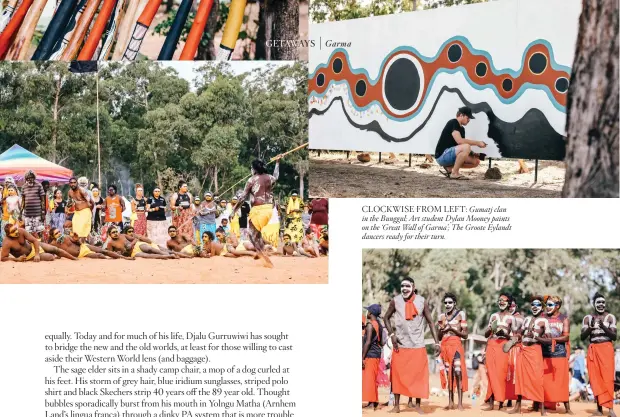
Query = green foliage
x=478 y=276
x=335 y=10
x=156 y=128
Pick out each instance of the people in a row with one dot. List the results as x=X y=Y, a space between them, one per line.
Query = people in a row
x=526 y=357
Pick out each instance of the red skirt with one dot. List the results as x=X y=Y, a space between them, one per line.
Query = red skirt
x=370 y=390
x=410 y=372
x=497 y=369
x=449 y=347
x=556 y=380
x=139 y=226
x=602 y=372
x=529 y=373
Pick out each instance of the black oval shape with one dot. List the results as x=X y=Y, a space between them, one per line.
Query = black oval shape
x=481 y=69
x=402 y=84
x=455 y=53
x=561 y=84
x=538 y=63
x=507 y=84
x=360 y=88
x=337 y=65
x=320 y=80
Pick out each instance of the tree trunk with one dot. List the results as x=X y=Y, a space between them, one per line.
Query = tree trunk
x=215 y=180
x=302 y=173
x=371 y=294
x=55 y=117
x=592 y=117
x=285 y=28
x=261 y=35
x=206 y=48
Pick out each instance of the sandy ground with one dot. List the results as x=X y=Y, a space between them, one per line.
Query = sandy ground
x=153 y=42
x=333 y=175
x=217 y=270
x=435 y=404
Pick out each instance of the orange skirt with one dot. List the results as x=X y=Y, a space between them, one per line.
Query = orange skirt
x=449 y=347
x=370 y=391
x=497 y=369
x=514 y=356
x=602 y=372
x=556 y=380
x=529 y=373
x=410 y=372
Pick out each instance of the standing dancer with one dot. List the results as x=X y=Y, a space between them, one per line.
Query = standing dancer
x=529 y=369
x=451 y=328
x=409 y=370
x=156 y=221
x=95 y=33
x=140 y=29
x=83 y=216
x=371 y=356
x=138 y=205
x=55 y=30
x=600 y=328
x=170 y=44
x=260 y=189
x=514 y=350
x=82 y=25
x=556 y=350
x=182 y=211
x=501 y=324
x=236 y=12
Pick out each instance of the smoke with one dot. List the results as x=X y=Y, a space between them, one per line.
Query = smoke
x=122 y=178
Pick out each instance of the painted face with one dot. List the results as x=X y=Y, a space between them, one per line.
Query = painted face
x=449 y=304
x=208 y=197
x=502 y=303
x=551 y=306
x=73 y=184
x=172 y=232
x=196 y=201
x=294 y=197
x=599 y=305
x=223 y=203
x=513 y=307
x=536 y=307
x=111 y=192
x=406 y=289
x=14 y=232
x=235 y=201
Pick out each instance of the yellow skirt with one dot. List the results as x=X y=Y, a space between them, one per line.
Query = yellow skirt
x=188 y=250
x=82 y=221
x=33 y=253
x=234 y=227
x=136 y=249
x=260 y=216
x=84 y=251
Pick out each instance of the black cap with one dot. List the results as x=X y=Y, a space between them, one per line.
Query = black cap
x=374 y=309
x=467 y=112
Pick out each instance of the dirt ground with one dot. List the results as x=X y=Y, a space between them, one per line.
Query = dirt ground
x=435 y=404
x=333 y=175
x=217 y=270
x=153 y=42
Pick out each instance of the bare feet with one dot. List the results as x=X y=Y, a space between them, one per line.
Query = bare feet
x=396 y=409
x=266 y=261
x=460 y=407
x=515 y=410
x=611 y=413
x=489 y=408
x=596 y=413
x=418 y=408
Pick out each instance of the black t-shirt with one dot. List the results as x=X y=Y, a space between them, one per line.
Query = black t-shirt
x=60 y=207
x=446 y=140
x=243 y=218
x=141 y=204
x=160 y=214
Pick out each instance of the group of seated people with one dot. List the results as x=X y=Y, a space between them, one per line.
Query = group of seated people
x=21 y=246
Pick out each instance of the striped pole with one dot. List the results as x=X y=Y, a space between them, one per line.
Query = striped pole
x=7 y=13
x=124 y=29
x=170 y=44
x=140 y=29
x=112 y=32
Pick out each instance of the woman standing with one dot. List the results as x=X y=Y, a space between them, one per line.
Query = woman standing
x=57 y=208
x=206 y=215
x=181 y=205
x=138 y=205
x=294 y=227
x=97 y=222
x=319 y=214
x=156 y=221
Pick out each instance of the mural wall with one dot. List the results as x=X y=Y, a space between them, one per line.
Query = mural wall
x=392 y=82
